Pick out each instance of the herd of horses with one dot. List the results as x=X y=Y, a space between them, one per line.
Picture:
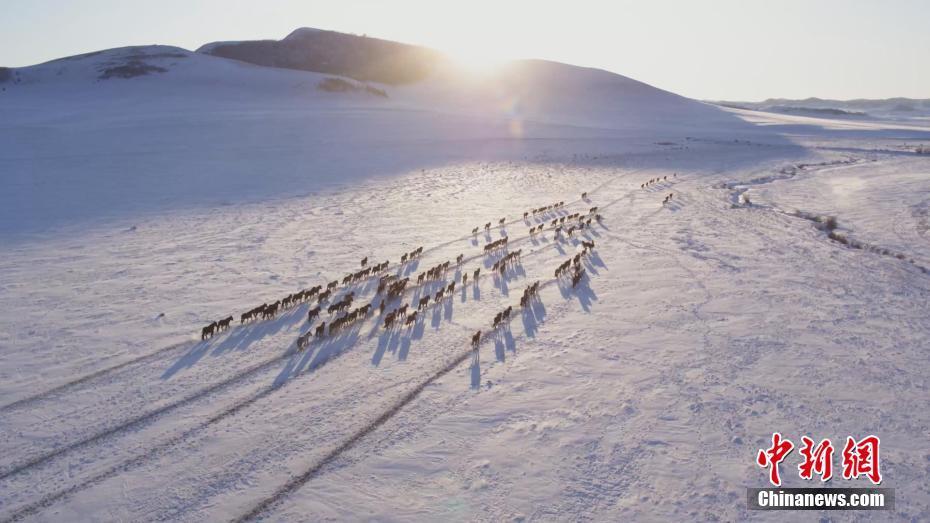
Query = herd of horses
x=391 y=287
x=573 y=265
x=653 y=181
x=267 y=311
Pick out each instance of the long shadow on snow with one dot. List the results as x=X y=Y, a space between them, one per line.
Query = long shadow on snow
x=239 y=339
x=533 y=314
x=317 y=354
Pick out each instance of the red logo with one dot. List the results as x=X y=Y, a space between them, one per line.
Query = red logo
x=774 y=455
x=860 y=458
x=819 y=460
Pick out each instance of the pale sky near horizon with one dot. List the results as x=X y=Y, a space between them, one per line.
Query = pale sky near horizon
x=716 y=49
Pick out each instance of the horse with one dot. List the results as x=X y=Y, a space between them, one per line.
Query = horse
x=303 y=340
x=207 y=332
x=224 y=323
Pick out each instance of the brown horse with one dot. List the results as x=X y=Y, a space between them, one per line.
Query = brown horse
x=207 y=332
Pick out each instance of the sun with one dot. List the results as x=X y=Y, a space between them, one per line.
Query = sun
x=477 y=60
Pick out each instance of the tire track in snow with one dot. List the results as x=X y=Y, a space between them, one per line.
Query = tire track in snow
x=147 y=418
x=160 y=449
x=103 y=372
x=298 y=481
x=172 y=442
x=141 y=420
x=84 y=379
x=314 y=470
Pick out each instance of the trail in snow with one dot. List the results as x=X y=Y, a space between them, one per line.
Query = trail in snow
x=154 y=415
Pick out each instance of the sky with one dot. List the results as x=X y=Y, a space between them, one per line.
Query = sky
x=745 y=50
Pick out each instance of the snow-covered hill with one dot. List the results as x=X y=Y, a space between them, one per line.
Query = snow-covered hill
x=149 y=191
x=141 y=129
x=890 y=108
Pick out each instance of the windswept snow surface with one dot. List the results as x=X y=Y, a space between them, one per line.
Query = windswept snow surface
x=135 y=211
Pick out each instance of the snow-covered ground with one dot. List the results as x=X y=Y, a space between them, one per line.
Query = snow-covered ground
x=134 y=212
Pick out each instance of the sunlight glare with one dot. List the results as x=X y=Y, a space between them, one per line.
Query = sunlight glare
x=476 y=60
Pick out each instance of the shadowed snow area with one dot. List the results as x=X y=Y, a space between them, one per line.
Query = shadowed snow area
x=149 y=191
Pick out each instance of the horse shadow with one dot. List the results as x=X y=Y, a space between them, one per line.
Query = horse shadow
x=436 y=317
x=475 y=371
x=317 y=354
x=499 y=352
x=447 y=309
x=404 y=349
x=388 y=341
x=594 y=260
x=237 y=338
x=416 y=333
x=411 y=266
x=509 y=342
x=585 y=295
x=533 y=314
x=501 y=283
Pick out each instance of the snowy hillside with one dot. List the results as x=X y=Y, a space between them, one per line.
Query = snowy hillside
x=188 y=129
x=149 y=191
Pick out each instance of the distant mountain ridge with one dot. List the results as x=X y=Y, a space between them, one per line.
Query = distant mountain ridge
x=331 y=52
x=862 y=107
